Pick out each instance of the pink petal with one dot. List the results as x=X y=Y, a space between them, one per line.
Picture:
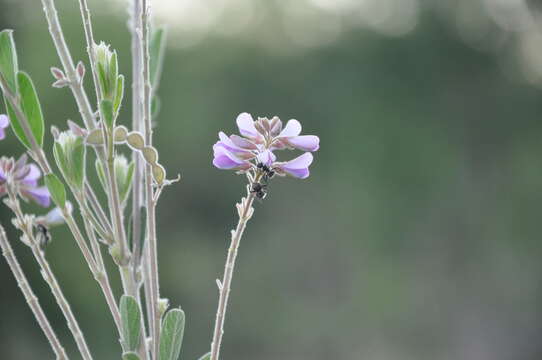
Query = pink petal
x=224 y=159
x=33 y=175
x=40 y=195
x=292 y=128
x=4 y=121
x=298 y=167
x=266 y=157
x=242 y=142
x=305 y=142
x=245 y=123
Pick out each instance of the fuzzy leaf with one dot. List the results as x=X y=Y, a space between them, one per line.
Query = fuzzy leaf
x=106 y=107
x=119 y=93
x=8 y=59
x=31 y=108
x=172 y=333
x=130 y=356
x=124 y=188
x=130 y=315
x=156 y=51
x=56 y=189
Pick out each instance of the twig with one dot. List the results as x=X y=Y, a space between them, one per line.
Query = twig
x=29 y=296
x=245 y=211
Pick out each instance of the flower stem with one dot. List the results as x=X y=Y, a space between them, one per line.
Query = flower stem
x=245 y=211
x=29 y=296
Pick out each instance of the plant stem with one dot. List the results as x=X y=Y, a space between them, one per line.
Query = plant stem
x=245 y=211
x=29 y=296
x=48 y=275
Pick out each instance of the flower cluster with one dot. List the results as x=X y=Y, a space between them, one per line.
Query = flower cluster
x=23 y=177
x=259 y=140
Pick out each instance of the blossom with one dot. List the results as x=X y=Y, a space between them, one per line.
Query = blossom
x=4 y=123
x=257 y=144
x=23 y=177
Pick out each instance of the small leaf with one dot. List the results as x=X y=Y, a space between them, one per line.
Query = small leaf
x=101 y=173
x=124 y=188
x=106 y=107
x=172 y=333
x=156 y=51
x=95 y=137
x=130 y=356
x=130 y=315
x=8 y=59
x=78 y=161
x=31 y=108
x=60 y=159
x=119 y=93
x=57 y=190
x=205 y=357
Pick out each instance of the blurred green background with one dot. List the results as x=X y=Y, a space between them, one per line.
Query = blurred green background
x=417 y=235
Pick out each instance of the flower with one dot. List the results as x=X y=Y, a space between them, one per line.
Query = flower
x=4 y=123
x=257 y=144
x=23 y=178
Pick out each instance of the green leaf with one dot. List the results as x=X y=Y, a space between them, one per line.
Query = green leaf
x=130 y=316
x=101 y=173
x=120 y=93
x=8 y=59
x=30 y=106
x=205 y=357
x=60 y=159
x=57 y=190
x=130 y=356
x=126 y=185
x=106 y=107
x=156 y=52
x=171 y=337
x=77 y=160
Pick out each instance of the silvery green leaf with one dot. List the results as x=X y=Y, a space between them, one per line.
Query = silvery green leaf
x=119 y=93
x=130 y=356
x=130 y=316
x=56 y=189
x=30 y=106
x=8 y=59
x=124 y=188
x=171 y=337
x=156 y=52
x=77 y=160
x=205 y=357
x=106 y=107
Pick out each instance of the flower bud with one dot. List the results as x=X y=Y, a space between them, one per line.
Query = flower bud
x=69 y=152
x=107 y=68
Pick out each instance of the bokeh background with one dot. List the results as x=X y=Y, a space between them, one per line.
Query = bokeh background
x=418 y=234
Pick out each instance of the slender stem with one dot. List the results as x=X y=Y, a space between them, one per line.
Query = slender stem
x=149 y=196
x=95 y=204
x=29 y=296
x=87 y=25
x=245 y=211
x=76 y=85
x=48 y=275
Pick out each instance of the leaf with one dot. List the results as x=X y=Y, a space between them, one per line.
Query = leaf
x=60 y=159
x=77 y=162
x=205 y=357
x=101 y=173
x=30 y=106
x=124 y=188
x=106 y=107
x=119 y=93
x=130 y=316
x=156 y=52
x=130 y=356
x=8 y=59
x=57 y=190
x=171 y=337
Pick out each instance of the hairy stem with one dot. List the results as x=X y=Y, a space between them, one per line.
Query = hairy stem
x=48 y=275
x=29 y=296
x=245 y=211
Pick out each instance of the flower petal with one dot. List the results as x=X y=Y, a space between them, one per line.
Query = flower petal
x=39 y=194
x=4 y=121
x=243 y=143
x=245 y=123
x=305 y=142
x=224 y=159
x=292 y=128
x=266 y=157
x=298 y=167
x=32 y=176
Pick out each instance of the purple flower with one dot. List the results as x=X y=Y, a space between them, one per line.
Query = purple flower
x=4 y=123
x=257 y=144
x=24 y=178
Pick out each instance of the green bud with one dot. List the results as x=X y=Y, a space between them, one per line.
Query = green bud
x=124 y=172
x=70 y=155
x=107 y=68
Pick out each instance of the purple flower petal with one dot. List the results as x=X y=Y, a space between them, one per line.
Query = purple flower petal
x=223 y=159
x=267 y=157
x=245 y=122
x=4 y=123
x=39 y=194
x=228 y=144
x=305 y=142
x=243 y=143
x=292 y=128
x=33 y=175
x=298 y=167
